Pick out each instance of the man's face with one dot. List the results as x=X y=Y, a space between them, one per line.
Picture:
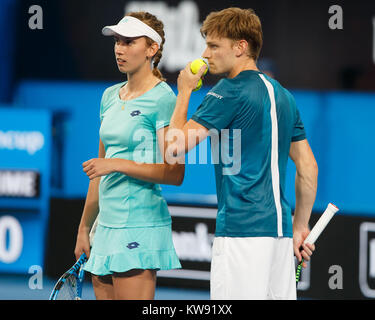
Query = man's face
x=219 y=54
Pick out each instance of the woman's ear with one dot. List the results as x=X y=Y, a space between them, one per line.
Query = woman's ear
x=152 y=50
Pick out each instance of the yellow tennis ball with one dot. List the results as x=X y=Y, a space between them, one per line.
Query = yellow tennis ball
x=195 y=67
x=197 y=64
x=199 y=85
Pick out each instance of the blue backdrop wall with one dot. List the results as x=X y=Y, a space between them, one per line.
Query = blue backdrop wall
x=339 y=127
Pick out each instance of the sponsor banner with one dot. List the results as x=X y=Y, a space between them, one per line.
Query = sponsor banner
x=193 y=231
x=342 y=267
x=22 y=242
x=25 y=140
x=25 y=143
x=19 y=183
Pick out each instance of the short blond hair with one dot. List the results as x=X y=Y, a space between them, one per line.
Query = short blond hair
x=236 y=24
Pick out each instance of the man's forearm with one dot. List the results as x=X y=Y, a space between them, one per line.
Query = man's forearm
x=179 y=117
x=306 y=186
x=176 y=141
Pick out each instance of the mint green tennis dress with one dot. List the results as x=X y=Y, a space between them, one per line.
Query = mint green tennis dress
x=134 y=224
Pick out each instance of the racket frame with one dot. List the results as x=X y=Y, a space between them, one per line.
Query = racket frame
x=77 y=271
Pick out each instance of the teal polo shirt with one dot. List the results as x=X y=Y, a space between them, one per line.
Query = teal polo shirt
x=256 y=120
x=128 y=131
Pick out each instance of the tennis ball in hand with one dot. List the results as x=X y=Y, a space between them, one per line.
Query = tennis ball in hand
x=199 y=85
x=195 y=67
x=197 y=64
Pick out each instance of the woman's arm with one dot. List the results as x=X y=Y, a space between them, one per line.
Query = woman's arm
x=163 y=173
x=89 y=214
x=91 y=208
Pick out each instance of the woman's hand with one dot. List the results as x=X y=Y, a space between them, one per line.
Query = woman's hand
x=82 y=244
x=98 y=167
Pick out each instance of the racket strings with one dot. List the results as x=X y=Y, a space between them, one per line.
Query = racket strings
x=68 y=290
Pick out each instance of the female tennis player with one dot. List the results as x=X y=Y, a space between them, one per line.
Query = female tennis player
x=133 y=238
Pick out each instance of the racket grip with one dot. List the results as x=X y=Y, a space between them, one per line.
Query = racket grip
x=299 y=270
x=321 y=224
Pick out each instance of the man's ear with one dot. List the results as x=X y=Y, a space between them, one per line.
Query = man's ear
x=241 y=47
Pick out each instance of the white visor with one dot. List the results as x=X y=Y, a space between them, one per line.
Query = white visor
x=132 y=27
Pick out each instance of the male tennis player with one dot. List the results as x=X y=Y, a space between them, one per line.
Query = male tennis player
x=253 y=247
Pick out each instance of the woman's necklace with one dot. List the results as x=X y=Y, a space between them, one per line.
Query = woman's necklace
x=124 y=98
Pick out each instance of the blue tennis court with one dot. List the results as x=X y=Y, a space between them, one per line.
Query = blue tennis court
x=16 y=287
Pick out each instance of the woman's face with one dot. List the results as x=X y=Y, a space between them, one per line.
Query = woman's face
x=131 y=53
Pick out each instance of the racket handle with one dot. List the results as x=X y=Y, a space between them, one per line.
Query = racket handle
x=321 y=224
x=299 y=270
x=316 y=231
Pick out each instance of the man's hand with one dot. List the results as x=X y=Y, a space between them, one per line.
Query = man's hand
x=299 y=235
x=187 y=81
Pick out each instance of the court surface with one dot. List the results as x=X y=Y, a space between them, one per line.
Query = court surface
x=16 y=287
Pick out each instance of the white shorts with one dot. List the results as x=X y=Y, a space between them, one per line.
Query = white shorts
x=254 y=268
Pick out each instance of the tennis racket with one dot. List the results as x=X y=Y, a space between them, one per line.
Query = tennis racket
x=69 y=286
x=316 y=231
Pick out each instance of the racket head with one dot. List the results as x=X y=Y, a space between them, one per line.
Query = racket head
x=69 y=286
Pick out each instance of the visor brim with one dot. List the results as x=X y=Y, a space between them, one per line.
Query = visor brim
x=125 y=32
